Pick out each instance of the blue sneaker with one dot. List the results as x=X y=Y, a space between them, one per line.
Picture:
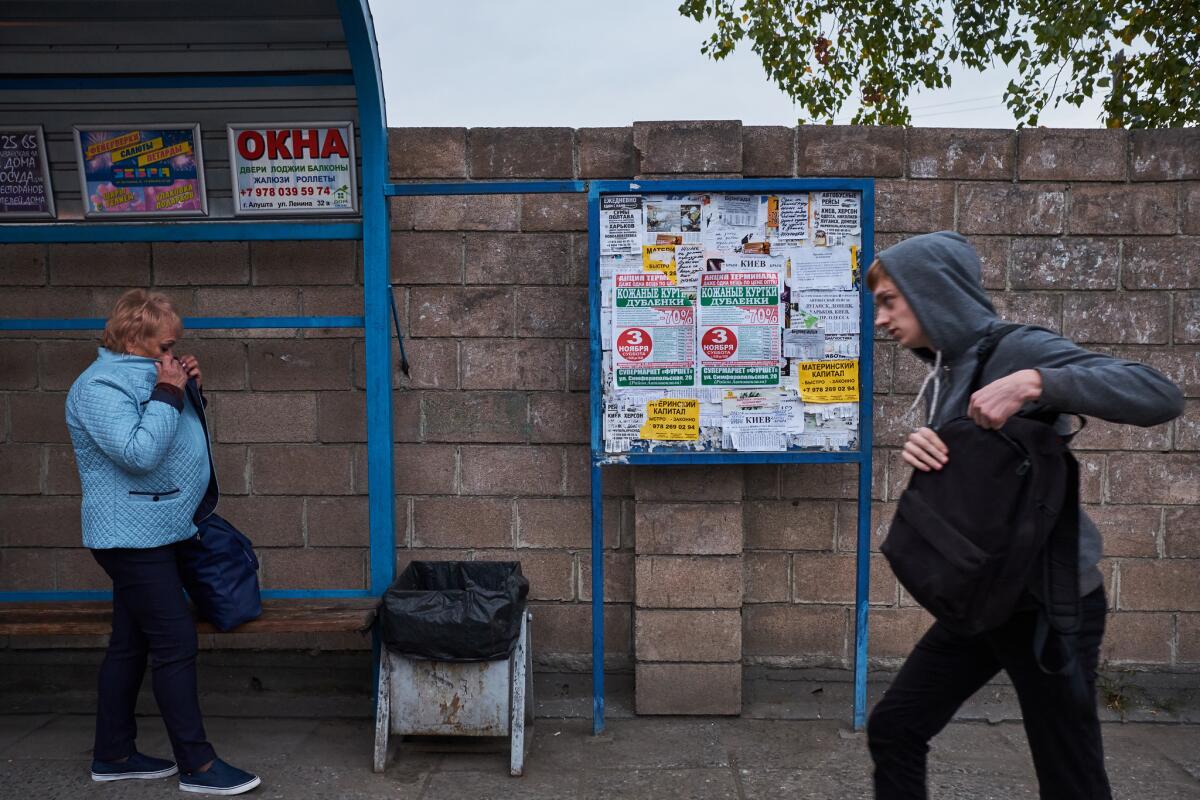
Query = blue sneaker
x=220 y=778
x=136 y=767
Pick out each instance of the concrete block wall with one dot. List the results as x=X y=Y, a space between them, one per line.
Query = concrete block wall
x=1090 y=232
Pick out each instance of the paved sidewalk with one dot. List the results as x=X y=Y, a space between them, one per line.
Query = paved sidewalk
x=45 y=757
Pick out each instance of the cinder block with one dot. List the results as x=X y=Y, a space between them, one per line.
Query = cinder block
x=618 y=577
x=1190 y=206
x=606 y=153
x=555 y=312
x=222 y=361
x=1065 y=263
x=304 y=568
x=38 y=417
x=342 y=416
x=1159 y=585
x=850 y=151
x=275 y=301
x=471 y=212
x=1181 y=534
x=1171 y=154
x=427 y=152
x=689 y=582
x=819 y=480
x=768 y=151
x=19 y=365
x=673 y=635
x=462 y=522
x=25 y=264
x=26 y=569
x=332 y=301
x=558 y=417
x=675 y=147
x=894 y=420
x=301 y=469
x=1187 y=427
x=200 y=263
x=961 y=153
x=424 y=469
x=77 y=569
x=339 y=522
x=268 y=521
x=62 y=362
x=1124 y=318
x=894 y=631
x=1137 y=638
x=426 y=257
x=20 y=469
x=1188 y=639
x=565 y=523
x=679 y=689
x=520 y=152
x=282 y=364
x=264 y=417
x=1141 y=209
x=524 y=258
x=1102 y=435
x=767 y=577
x=304 y=262
x=847 y=525
x=553 y=212
x=476 y=417
x=1167 y=262
x=708 y=483
x=914 y=206
x=1187 y=317
x=46 y=302
x=433 y=364
x=993 y=257
x=828 y=578
x=1056 y=154
x=551 y=573
x=789 y=524
x=1044 y=310
x=62 y=476
x=34 y=521
x=562 y=634
x=689 y=528
x=124 y=264
x=232 y=467
x=461 y=312
x=1011 y=208
x=1180 y=363
x=795 y=632
x=529 y=364
x=511 y=470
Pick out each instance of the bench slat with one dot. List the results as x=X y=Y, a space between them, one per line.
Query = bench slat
x=279 y=616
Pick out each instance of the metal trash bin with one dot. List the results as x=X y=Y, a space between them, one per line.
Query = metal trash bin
x=455 y=659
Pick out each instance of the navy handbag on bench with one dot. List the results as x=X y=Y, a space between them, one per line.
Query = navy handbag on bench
x=220 y=572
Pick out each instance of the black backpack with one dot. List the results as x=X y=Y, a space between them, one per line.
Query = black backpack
x=996 y=529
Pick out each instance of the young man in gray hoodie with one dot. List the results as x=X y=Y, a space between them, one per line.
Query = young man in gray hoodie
x=929 y=297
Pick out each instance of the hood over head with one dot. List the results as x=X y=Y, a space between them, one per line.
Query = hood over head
x=939 y=276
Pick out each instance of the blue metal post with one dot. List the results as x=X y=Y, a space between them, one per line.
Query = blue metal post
x=866 y=410
x=364 y=60
x=595 y=355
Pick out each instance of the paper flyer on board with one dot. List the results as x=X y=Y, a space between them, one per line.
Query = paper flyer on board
x=622 y=225
x=654 y=332
x=760 y=419
x=828 y=381
x=832 y=311
x=821 y=268
x=834 y=216
x=674 y=217
x=793 y=217
x=689 y=264
x=739 y=328
x=660 y=258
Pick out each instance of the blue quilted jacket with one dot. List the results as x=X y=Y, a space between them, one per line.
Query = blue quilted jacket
x=144 y=458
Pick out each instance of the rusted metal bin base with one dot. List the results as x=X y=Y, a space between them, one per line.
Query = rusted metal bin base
x=450 y=698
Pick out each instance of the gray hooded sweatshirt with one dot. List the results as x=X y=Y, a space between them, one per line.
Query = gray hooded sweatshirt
x=939 y=276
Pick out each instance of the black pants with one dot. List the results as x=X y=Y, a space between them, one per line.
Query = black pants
x=150 y=619
x=945 y=669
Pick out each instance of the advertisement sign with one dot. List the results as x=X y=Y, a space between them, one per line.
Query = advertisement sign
x=298 y=168
x=127 y=171
x=654 y=332
x=24 y=173
x=739 y=323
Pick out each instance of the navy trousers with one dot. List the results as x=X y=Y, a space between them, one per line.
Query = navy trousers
x=151 y=620
x=945 y=669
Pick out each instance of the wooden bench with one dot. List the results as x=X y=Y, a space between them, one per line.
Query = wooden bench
x=279 y=616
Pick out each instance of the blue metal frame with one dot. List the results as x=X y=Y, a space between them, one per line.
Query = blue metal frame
x=373 y=231
x=862 y=456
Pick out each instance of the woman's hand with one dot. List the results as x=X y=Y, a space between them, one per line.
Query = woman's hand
x=924 y=450
x=992 y=405
x=171 y=371
x=192 y=367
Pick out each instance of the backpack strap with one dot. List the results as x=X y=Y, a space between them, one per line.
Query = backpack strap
x=987 y=346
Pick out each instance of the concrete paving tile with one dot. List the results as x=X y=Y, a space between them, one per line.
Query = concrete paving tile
x=16 y=727
x=499 y=785
x=64 y=737
x=251 y=742
x=803 y=784
x=652 y=784
x=647 y=742
x=772 y=744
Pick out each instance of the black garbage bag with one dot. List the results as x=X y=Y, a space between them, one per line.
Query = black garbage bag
x=454 y=610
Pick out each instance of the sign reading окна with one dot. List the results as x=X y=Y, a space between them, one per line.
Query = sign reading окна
x=298 y=168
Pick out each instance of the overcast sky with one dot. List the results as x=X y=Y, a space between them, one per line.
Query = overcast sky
x=479 y=63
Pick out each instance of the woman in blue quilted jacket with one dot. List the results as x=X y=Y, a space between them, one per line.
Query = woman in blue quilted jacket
x=136 y=418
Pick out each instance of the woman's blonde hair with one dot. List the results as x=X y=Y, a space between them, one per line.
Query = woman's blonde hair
x=875 y=273
x=138 y=315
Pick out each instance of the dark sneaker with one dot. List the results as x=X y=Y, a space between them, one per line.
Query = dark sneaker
x=220 y=779
x=136 y=767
